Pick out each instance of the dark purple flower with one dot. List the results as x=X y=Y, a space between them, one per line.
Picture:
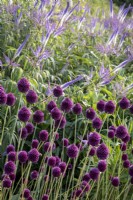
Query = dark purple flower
x=12 y=176
x=66 y=105
x=65 y=142
x=101 y=105
x=126 y=164
x=34 y=175
x=31 y=97
x=126 y=139
x=57 y=136
x=47 y=147
x=56 y=171
x=23 y=85
x=43 y=135
x=77 y=109
x=124 y=103
x=22 y=156
x=121 y=132
x=6 y=183
x=26 y=193
x=123 y=146
x=86 y=177
x=86 y=187
x=33 y=155
x=111 y=134
x=94 y=138
x=10 y=148
x=58 y=160
x=12 y=156
x=94 y=173
x=97 y=123
x=56 y=113
x=45 y=197
x=23 y=133
x=11 y=99
x=35 y=143
x=57 y=91
x=30 y=198
x=115 y=181
x=90 y=113
x=113 y=128
x=131 y=109
x=102 y=165
x=38 y=117
x=72 y=151
x=60 y=123
x=30 y=128
x=3 y=97
x=78 y=192
x=62 y=166
x=102 y=152
x=131 y=170
x=124 y=156
x=109 y=107
x=51 y=105
x=9 y=167
x=52 y=161
x=24 y=114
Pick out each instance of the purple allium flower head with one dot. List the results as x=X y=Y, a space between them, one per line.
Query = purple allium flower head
x=24 y=114
x=58 y=160
x=86 y=177
x=60 y=123
x=6 y=183
x=80 y=147
x=30 y=198
x=62 y=166
x=12 y=176
x=131 y=109
x=26 y=193
x=72 y=151
x=11 y=99
x=34 y=175
x=86 y=187
x=102 y=165
x=23 y=85
x=94 y=138
x=23 y=133
x=22 y=156
x=115 y=181
x=70 y=166
x=111 y=134
x=66 y=105
x=126 y=139
x=30 y=128
x=78 y=192
x=126 y=164
x=94 y=173
x=47 y=147
x=9 y=167
x=33 y=155
x=102 y=152
x=45 y=197
x=57 y=136
x=124 y=103
x=38 y=116
x=12 y=156
x=31 y=97
x=10 y=148
x=52 y=161
x=121 y=132
x=51 y=105
x=90 y=113
x=109 y=107
x=56 y=113
x=43 y=135
x=3 y=97
x=131 y=170
x=35 y=143
x=124 y=156
x=65 y=142
x=101 y=105
x=56 y=171
x=113 y=128
x=77 y=109
x=57 y=91
x=97 y=123
x=123 y=146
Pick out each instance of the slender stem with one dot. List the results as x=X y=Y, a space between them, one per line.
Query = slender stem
x=4 y=125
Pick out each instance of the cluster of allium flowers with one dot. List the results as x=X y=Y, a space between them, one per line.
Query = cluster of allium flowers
x=60 y=123
x=51 y=105
x=56 y=171
x=22 y=156
x=3 y=96
x=57 y=91
x=101 y=105
x=11 y=99
x=90 y=113
x=94 y=173
x=97 y=123
x=30 y=128
x=47 y=146
x=52 y=161
x=77 y=109
x=109 y=107
x=45 y=197
x=23 y=133
x=124 y=103
x=92 y=151
x=94 y=139
x=102 y=165
x=10 y=148
x=24 y=114
x=66 y=105
x=33 y=155
x=43 y=135
x=56 y=113
x=23 y=85
x=34 y=175
x=115 y=181
x=102 y=152
x=9 y=167
x=121 y=132
x=72 y=151
x=62 y=166
x=131 y=109
x=85 y=186
x=26 y=193
x=12 y=156
x=38 y=116
x=35 y=143
x=126 y=163
x=86 y=177
x=31 y=97
x=6 y=183
x=111 y=134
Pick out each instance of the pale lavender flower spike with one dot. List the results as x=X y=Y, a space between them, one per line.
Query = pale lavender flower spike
x=121 y=65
